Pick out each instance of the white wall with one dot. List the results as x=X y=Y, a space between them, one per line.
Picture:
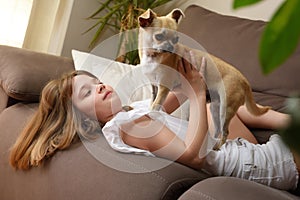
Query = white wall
x=260 y=11
x=78 y=24
x=82 y=8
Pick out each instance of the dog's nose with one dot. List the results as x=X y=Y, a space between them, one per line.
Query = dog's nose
x=170 y=48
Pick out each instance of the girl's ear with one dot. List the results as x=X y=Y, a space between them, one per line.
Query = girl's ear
x=176 y=14
x=146 y=19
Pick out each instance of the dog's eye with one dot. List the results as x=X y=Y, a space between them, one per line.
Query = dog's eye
x=159 y=37
x=175 y=40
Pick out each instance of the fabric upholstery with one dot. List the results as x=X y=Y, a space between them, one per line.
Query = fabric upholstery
x=23 y=73
x=220 y=188
x=3 y=99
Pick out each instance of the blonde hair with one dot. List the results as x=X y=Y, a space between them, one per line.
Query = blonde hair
x=54 y=126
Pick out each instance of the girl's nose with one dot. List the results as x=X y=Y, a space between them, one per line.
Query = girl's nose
x=100 y=87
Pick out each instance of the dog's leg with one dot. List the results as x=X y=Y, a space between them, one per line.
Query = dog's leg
x=154 y=92
x=222 y=119
x=214 y=109
x=225 y=114
x=228 y=108
x=160 y=97
x=216 y=117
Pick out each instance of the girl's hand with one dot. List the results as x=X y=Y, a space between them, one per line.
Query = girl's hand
x=192 y=81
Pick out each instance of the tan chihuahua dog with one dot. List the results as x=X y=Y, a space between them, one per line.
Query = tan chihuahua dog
x=158 y=46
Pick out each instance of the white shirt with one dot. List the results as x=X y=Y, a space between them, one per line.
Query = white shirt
x=111 y=130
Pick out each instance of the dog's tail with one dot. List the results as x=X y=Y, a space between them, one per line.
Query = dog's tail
x=252 y=107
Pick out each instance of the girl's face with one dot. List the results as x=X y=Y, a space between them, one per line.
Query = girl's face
x=93 y=98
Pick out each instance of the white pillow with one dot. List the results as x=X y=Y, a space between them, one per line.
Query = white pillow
x=128 y=80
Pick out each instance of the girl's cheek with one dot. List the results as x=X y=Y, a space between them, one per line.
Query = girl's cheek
x=88 y=106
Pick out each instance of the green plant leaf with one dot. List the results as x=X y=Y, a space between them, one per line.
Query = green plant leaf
x=98 y=32
x=281 y=36
x=243 y=3
x=291 y=133
x=100 y=9
x=122 y=14
x=158 y=3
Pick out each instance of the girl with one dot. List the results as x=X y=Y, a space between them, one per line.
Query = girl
x=79 y=102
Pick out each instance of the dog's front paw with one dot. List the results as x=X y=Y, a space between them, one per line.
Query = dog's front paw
x=219 y=143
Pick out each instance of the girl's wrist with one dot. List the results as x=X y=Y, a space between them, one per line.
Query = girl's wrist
x=197 y=95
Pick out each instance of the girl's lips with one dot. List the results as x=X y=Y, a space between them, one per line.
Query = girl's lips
x=106 y=94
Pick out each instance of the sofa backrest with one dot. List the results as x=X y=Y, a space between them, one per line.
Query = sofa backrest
x=24 y=73
x=236 y=41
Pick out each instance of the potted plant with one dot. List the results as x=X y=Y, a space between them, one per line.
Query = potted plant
x=122 y=15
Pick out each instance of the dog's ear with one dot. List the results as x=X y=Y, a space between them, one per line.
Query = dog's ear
x=176 y=14
x=146 y=19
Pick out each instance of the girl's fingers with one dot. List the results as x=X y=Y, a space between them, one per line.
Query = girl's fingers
x=203 y=66
x=193 y=59
x=180 y=66
x=187 y=63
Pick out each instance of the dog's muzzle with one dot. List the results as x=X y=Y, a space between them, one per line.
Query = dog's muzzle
x=168 y=48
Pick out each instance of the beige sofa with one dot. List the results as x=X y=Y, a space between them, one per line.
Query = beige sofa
x=76 y=174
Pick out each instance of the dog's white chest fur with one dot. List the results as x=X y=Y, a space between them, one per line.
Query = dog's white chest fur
x=159 y=74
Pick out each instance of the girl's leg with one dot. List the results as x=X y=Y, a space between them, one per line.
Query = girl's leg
x=238 y=129
x=270 y=120
x=297 y=160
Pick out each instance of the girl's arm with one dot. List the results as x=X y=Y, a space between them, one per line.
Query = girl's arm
x=154 y=136
x=173 y=101
x=177 y=98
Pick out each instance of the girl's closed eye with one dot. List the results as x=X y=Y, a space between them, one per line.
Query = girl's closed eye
x=87 y=93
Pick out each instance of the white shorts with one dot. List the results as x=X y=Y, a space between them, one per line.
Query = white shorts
x=271 y=164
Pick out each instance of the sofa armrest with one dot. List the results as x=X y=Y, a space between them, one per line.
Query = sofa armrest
x=24 y=73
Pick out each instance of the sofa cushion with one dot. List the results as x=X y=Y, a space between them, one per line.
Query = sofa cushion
x=24 y=73
x=227 y=188
x=236 y=41
x=3 y=99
